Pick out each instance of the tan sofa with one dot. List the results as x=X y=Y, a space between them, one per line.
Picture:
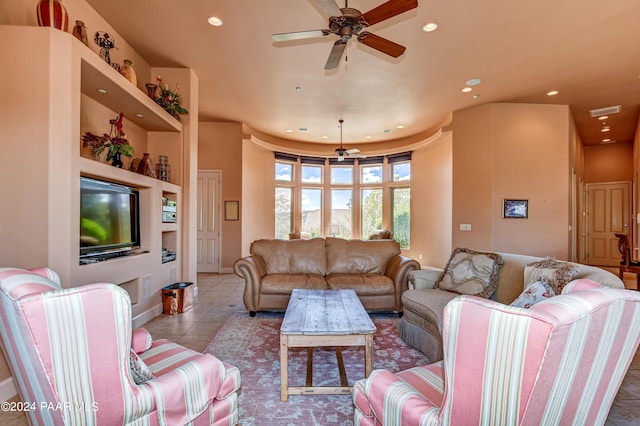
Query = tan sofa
x=421 y=323
x=374 y=269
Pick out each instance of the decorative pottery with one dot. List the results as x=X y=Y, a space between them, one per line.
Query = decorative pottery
x=117 y=160
x=128 y=72
x=51 y=13
x=146 y=166
x=80 y=32
x=163 y=169
x=151 y=90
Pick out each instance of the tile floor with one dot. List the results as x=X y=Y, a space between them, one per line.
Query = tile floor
x=219 y=295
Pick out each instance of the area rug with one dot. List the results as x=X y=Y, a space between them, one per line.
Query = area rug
x=252 y=345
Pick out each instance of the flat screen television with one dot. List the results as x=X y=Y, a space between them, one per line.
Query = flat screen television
x=109 y=218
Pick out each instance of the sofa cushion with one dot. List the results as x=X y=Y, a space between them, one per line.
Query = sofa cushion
x=284 y=256
x=557 y=273
x=536 y=292
x=359 y=257
x=471 y=272
x=363 y=284
x=284 y=283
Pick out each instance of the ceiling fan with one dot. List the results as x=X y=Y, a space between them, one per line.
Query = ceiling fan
x=347 y=22
x=342 y=152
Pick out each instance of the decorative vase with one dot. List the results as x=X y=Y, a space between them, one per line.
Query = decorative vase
x=146 y=166
x=163 y=169
x=128 y=72
x=80 y=32
x=51 y=13
x=117 y=160
x=151 y=90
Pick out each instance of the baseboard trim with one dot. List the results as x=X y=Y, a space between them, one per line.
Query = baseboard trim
x=7 y=389
x=227 y=270
x=146 y=316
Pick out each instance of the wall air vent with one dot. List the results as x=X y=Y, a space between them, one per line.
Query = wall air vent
x=605 y=111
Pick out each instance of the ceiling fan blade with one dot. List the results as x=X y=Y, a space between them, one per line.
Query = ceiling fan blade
x=330 y=7
x=336 y=55
x=353 y=151
x=388 y=10
x=298 y=35
x=381 y=44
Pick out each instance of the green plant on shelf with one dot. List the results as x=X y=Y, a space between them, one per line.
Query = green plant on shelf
x=170 y=100
x=115 y=142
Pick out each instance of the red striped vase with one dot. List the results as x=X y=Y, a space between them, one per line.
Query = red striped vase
x=51 y=13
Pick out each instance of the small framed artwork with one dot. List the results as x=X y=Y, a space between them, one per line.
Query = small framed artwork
x=231 y=210
x=515 y=209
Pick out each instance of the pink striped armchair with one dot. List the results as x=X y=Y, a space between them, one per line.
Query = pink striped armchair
x=71 y=353
x=560 y=362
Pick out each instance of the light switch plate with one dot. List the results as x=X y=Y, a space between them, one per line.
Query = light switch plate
x=465 y=227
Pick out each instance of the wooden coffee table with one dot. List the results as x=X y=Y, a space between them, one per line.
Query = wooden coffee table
x=317 y=318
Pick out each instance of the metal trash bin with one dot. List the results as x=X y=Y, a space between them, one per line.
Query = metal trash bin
x=177 y=298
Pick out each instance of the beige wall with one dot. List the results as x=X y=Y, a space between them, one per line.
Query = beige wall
x=609 y=163
x=220 y=148
x=516 y=151
x=431 y=202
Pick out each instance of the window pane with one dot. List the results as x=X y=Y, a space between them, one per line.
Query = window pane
x=371 y=211
x=311 y=174
x=312 y=211
x=401 y=171
x=371 y=174
x=284 y=172
x=342 y=175
x=401 y=205
x=283 y=213
x=341 y=212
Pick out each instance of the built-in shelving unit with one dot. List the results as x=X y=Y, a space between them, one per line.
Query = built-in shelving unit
x=62 y=88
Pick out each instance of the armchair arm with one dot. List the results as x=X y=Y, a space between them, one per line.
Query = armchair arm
x=423 y=279
x=187 y=391
x=398 y=270
x=252 y=269
x=383 y=396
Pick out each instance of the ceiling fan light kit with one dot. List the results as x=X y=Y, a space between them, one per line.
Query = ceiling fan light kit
x=346 y=22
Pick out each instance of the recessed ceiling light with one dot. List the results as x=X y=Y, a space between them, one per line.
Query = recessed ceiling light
x=289 y=130
x=467 y=90
x=325 y=137
x=476 y=96
x=429 y=27
x=368 y=137
x=298 y=89
x=605 y=129
x=474 y=82
x=399 y=126
x=552 y=93
x=102 y=91
x=606 y=141
x=603 y=117
x=215 y=21
x=139 y=115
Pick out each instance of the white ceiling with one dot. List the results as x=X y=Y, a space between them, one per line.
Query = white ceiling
x=587 y=50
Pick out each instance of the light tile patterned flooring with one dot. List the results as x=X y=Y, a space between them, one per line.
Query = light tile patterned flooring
x=221 y=295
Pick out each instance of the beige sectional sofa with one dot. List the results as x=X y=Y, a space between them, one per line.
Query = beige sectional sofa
x=421 y=323
x=376 y=270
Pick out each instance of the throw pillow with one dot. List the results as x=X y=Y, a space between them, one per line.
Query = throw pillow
x=557 y=273
x=471 y=272
x=139 y=370
x=536 y=292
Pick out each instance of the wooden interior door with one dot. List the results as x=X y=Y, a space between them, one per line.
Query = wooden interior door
x=208 y=232
x=608 y=212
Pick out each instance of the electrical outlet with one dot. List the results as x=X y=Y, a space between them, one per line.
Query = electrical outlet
x=465 y=227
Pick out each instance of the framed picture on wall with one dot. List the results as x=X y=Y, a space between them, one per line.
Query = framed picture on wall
x=231 y=210
x=515 y=209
